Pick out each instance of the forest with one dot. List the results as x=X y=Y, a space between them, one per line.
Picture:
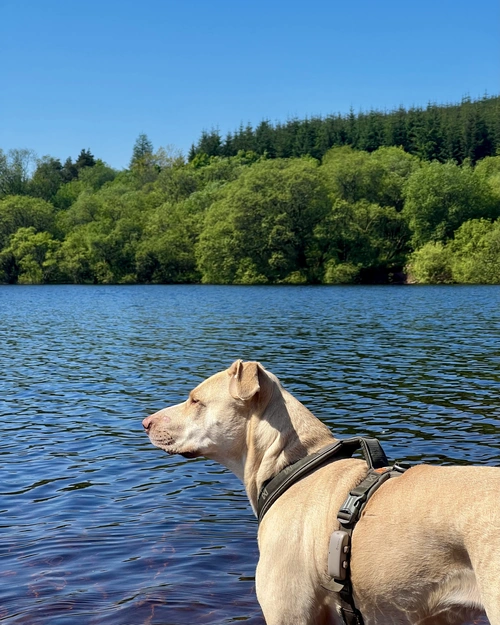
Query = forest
x=403 y=196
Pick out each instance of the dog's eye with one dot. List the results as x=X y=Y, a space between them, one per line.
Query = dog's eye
x=194 y=400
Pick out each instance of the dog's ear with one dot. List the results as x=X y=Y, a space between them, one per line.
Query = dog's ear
x=244 y=379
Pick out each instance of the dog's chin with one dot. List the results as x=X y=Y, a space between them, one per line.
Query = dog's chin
x=190 y=454
x=171 y=450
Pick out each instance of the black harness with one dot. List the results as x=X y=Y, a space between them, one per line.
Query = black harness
x=350 y=511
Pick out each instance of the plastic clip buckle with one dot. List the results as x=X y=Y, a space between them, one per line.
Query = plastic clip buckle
x=350 y=508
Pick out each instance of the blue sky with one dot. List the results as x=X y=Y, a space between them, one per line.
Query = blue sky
x=95 y=74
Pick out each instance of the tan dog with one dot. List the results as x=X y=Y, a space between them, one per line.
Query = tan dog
x=426 y=550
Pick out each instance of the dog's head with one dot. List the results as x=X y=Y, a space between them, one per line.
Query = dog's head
x=213 y=421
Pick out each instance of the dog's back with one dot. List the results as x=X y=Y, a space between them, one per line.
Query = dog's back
x=433 y=536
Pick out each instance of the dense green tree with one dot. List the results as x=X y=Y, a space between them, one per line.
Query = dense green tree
x=67 y=194
x=176 y=184
x=440 y=197
x=488 y=170
x=471 y=257
x=85 y=209
x=146 y=165
x=379 y=177
x=97 y=176
x=166 y=252
x=30 y=257
x=284 y=139
x=47 y=178
x=357 y=236
x=430 y=144
x=75 y=258
x=352 y=175
x=430 y=264
x=397 y=166
x=260 y=229
x=15 y=168
x=305 y=139
x=475 y=252
x=192 y=153
x=24 y=212
x=103 y=229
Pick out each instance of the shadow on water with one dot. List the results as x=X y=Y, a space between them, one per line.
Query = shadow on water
x=99 y=527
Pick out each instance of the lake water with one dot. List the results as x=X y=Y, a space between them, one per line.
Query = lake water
x=98 y=526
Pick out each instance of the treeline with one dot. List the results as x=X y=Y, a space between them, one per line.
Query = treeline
x=466 y=131
x=353 y=216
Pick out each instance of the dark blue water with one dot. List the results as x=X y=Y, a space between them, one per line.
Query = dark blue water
x=99 y=527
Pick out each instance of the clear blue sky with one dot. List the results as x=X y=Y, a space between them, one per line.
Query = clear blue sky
x=97 y=73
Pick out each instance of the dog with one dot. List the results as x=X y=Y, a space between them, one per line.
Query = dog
x=426 y=550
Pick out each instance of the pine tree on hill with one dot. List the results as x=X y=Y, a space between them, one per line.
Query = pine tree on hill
x=142 y=150
x=85 y=159
x=469 y=130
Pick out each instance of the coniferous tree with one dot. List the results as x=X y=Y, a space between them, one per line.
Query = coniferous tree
x=210 y=143
x=372 y=132
x=467 y=130
x=305 y=139
x=352 y=129
x=476 y=141
x=192 y=152
x=85 y=159
x=396 y=132
x=143 y=149
x=69 y=170
x=249 y=139
x=431 y=145
x=264 y=143
x=227 y=148
x=323 y=140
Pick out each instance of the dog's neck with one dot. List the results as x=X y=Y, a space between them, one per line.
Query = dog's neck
x=284 y=433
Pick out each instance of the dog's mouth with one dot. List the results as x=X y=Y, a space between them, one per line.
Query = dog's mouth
x=169 y=447
x=163 y=440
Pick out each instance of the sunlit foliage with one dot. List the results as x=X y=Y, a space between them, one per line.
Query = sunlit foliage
x=402 y=196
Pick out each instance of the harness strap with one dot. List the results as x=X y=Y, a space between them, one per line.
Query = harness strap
x=358 y=497
x=348 y=515
x=276 y=486
x=348 y=611
x=373 y=453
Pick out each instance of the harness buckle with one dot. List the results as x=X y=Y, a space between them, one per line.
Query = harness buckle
x=349 y=512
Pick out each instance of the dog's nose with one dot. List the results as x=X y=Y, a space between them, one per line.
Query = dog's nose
x=146 y=424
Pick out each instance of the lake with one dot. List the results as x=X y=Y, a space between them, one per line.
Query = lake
x=100 y=527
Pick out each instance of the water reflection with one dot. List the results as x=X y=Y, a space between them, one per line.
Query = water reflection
x=101 y=528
